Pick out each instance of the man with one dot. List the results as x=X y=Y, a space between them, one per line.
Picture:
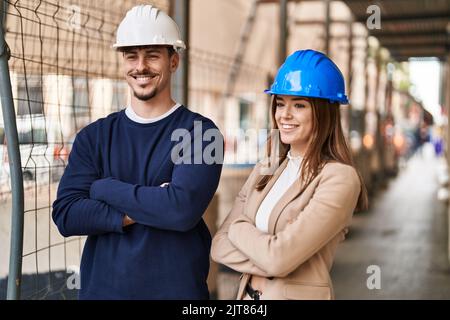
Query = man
x=129 y=186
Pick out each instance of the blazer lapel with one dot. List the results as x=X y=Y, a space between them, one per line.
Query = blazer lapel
x=258 y=196
x=287 y=197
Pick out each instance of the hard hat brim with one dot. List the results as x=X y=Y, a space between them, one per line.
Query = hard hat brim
x=344 y=100
x=178 y=47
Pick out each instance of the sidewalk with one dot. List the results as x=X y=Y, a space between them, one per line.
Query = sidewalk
x=405 y=233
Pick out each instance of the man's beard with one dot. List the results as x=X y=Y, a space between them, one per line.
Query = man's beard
x=147 y=96
x=153 y=91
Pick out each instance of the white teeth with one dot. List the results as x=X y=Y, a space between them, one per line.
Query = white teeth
x=288 y=126
x=143 y=78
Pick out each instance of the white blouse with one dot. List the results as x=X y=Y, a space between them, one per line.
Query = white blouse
x=284 y=181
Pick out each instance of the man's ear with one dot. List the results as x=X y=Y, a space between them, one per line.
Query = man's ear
x=174 y=62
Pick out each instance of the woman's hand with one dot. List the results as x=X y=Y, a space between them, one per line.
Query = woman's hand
x=243 y=218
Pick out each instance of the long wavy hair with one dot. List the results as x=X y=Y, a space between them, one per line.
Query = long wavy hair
x=327 y=144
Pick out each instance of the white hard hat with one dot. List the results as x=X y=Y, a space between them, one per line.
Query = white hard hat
x=147 y=25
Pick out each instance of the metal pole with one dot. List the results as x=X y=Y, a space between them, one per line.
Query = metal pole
x=442 y=84
x=446 y=72
x=379 y=141
x=240 y=50
x=347 y=111
x=180 y=11
x=283 y=32
x=366 y=76
x=4 y=9
x=350 y=59
x=238 y=59
x=327 y=27
x=15 y=165
x=446 y=104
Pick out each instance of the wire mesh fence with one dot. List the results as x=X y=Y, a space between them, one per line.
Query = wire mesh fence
x=64 y=75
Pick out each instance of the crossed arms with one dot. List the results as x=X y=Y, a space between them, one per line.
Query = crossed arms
x=87 y=204
x=244 y=248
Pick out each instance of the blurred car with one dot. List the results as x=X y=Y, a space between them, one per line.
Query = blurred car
x=41 y=162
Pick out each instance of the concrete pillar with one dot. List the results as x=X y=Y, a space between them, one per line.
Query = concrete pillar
x=446 y=99
x=327 y=23
x=346 y=112
x=283 y=32
x=180 y=85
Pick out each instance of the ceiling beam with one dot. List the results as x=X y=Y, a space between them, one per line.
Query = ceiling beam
x=431 y=41
x=407 y=45
x=278 y=1
x=403 y=34
x=431 y=17
x=318 y=22
x=405 y=58
x=418 y=52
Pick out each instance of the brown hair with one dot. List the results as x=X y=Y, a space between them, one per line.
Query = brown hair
x=327 y=144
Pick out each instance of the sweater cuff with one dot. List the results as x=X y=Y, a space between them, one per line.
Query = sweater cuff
x=97 y=192
x=117 y=222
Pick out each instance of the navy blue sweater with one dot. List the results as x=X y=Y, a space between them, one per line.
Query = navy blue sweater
x=116 y=167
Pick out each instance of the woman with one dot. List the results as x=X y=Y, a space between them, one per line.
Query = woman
x=283 y=229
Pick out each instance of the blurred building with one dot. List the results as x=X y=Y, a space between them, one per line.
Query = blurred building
x=65 y=75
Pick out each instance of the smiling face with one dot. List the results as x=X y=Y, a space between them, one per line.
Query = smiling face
x=148 y=70
x=294 y=117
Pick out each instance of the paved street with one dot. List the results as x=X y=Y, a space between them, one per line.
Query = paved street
x=405 y=234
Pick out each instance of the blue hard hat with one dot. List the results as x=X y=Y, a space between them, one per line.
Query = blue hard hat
x=309 y=73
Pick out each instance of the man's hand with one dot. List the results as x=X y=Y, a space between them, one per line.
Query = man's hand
x=127 y=221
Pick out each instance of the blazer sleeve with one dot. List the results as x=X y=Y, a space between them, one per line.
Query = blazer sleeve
x=222 y=250
x=328 y=212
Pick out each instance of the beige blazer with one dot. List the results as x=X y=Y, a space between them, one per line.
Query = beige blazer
x=294 y=258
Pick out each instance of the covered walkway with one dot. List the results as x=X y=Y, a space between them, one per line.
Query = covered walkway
x=405 y=233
